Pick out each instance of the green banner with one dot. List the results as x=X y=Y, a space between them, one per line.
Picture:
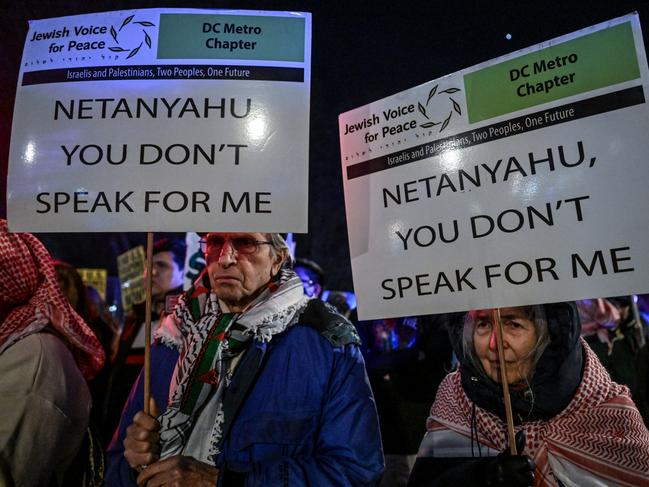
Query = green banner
x=596 y=60
x=205 y=36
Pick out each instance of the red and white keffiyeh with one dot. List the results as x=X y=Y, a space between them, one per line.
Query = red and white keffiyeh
x=600 y=432
x=31 y=299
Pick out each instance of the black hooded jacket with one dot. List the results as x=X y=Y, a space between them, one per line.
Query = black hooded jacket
x=554 y=382
x=556 y=376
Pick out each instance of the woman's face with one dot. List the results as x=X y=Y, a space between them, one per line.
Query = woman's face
x=519 y=338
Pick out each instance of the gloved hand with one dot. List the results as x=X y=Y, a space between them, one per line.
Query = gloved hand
x=506 y=469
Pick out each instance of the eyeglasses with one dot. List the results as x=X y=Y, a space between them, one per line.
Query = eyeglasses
x=213 y=244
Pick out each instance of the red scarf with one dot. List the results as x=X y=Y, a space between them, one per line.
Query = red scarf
x=600 y=431
x=32 y=299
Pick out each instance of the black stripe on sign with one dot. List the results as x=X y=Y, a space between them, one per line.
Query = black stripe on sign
x=546 y=118
x=161 y=72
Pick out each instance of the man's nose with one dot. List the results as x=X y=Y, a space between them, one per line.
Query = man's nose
x=227 y=256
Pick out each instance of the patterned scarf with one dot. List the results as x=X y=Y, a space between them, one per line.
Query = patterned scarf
x=600 y=431
x=209 y=343
x=28 y=286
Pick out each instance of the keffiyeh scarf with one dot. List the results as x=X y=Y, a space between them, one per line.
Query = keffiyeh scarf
x=210 y=340
x=28 y=285
x=600 y=432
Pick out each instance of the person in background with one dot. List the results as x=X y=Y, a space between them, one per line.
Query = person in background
x=98 y=311
x=76 y=293
x=338 y=299
x=164 y=355
x=311 y=275
x=269 y=388
x=611 y=330
x=166 y=286
x=642 y=300
x=574 y=426
x=47 y=353
x=406 y=359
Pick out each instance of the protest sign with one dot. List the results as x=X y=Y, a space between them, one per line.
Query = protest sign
x=517 y=181
x=194 y=260
x=130 y=267
x=96 y=278
x=162 y=120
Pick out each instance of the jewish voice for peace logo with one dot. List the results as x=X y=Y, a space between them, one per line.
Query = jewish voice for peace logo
x=436 y=107
x=129 y=37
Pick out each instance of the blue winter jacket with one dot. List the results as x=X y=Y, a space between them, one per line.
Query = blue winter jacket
x=302 y=415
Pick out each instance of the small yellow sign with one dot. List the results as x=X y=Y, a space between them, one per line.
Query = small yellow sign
x=96 y=278
x=130 y=268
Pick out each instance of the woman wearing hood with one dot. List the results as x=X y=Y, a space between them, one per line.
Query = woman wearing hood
x=574 y=426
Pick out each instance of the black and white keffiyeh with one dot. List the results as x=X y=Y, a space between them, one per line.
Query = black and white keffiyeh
x=213 y=341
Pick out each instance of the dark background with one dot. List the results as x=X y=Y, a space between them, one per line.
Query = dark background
x=362 y=51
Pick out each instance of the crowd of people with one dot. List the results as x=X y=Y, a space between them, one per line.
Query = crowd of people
x=256 y=381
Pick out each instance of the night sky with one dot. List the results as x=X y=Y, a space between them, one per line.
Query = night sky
x=361 y=52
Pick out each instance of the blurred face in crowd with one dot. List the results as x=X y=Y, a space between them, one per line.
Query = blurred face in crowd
x=519 y=340
x=240 y=265
x=66 y=283
x=166 y=275
x=309 y=280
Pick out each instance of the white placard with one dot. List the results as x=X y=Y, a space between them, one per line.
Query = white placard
x=162 y=120
x=194 y=260
x=521 y=180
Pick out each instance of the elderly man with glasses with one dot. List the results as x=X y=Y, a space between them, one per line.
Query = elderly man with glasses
x=269 y=387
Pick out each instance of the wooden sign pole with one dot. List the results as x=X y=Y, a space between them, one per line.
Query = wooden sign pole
x=503 y=379
x=147 y=322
